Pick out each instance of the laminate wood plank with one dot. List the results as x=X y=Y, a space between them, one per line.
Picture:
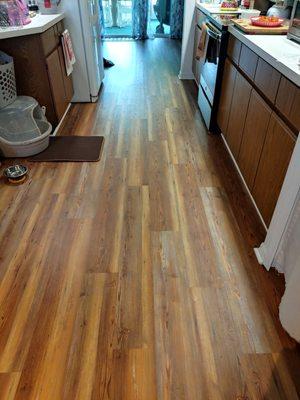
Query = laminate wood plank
x=134 y=277
x=8 y=385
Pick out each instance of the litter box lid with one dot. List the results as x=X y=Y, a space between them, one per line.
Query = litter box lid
x=17 y=121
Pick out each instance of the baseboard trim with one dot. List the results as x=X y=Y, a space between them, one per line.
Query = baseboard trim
x=257 y=250
x=244 y=182
x=61 y=121
x=183 y=76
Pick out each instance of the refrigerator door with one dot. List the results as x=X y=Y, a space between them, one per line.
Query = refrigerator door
x=80 y=76
x=90 y=20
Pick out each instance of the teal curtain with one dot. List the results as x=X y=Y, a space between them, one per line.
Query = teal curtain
x=176 y=19
x=140 y=19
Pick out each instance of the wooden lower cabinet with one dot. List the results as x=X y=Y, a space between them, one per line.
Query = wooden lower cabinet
x=274 y=161
x=288 y=102
x=258 y=123
x=226 y=95
x=255 y=130
x=56 y=83
x=238 y=113
x=40 y=70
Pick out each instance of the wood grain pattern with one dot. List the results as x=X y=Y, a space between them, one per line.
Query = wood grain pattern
x=134 y=278
x=238 y=112
x=274 y=161
x=227 y=90
x=248 y=61
x=267 y=79
x=288 y=102
x=253 y=139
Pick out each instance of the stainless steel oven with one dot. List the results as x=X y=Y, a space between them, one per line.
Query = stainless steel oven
x=294 y=30
x=211 y=69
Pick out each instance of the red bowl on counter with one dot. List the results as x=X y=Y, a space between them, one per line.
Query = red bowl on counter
x=266 y=22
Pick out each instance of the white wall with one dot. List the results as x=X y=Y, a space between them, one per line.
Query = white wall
x=187 y=40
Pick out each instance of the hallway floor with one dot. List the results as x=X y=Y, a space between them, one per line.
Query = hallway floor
x=134 y=278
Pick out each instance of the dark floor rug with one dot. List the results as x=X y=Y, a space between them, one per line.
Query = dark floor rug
x=72 y=148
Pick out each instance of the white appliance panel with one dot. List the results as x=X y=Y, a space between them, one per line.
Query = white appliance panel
x=83 y=22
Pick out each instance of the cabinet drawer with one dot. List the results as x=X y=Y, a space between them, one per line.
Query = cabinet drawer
x=288 y=101
x=234 y=49
x=273 y=164
x=49 y=40
x=267 y=79
x=255 y=130
x=248 y=61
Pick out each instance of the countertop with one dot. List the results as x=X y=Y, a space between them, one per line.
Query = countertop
x=211 y=8
x=39 y=24
x=282 y=53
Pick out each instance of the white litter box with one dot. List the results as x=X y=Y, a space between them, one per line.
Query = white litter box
x=24 y=129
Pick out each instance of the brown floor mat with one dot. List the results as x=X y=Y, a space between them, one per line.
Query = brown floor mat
x=72 y=148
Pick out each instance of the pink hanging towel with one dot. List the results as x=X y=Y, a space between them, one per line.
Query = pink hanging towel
x=68 y=52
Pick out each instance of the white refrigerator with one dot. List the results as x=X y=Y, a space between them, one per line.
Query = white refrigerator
x=82 y=19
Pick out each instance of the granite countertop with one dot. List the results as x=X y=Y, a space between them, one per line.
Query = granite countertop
x=280 y=52
x=39 y=24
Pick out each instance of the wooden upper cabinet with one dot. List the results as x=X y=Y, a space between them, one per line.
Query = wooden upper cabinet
x=234 y=49
x=288 y=102
x=273 y=164
x=226 y=95
x=248 y=61
x=255 y=130
x=238 y=112
x=267 y=79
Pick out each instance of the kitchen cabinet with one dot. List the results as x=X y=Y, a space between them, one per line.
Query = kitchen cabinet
x=238 y=112
x=234 y=49
x=267 y=79
x=259 y=117
x=40 y=70
x=273 y=164
x=256 y=125
x=288 y=102
x=248 y=61
x=57 y=83
x=226 y=96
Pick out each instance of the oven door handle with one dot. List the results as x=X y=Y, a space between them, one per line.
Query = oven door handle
x=212 y=33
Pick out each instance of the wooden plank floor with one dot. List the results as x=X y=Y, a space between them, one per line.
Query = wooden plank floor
x=134 y=278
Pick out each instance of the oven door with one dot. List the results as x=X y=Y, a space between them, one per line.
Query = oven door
x=210 y=61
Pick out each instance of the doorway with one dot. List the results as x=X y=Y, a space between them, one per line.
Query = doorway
x=117 y=18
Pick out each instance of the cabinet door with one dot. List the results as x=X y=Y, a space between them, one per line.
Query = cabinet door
x=288 y=101
x=68 y=83
x=238 y=112
x=226 y=95
x=57 y=83
x=275 y=158
x=196 y=62
x=255 y=130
